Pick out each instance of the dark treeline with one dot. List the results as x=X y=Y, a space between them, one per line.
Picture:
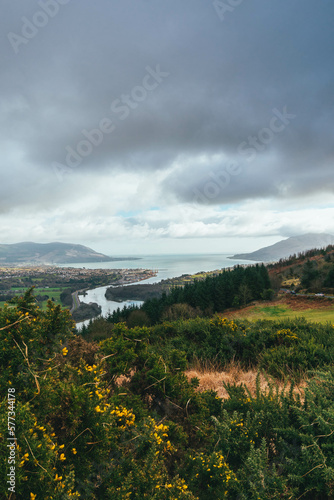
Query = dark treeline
x=231 y=288
x=140 y=291
x=5 y=297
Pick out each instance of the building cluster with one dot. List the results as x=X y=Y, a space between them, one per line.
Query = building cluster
x=125 y=275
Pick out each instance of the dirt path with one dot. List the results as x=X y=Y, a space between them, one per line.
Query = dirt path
x=75 y=301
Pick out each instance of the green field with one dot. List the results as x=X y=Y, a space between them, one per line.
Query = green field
x=51 y=292
x=281 y=311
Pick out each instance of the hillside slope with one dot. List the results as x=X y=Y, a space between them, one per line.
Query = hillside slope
x=49 y=253
x=290 y=246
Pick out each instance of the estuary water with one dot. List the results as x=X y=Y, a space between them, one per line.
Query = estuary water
x=169 y=265
x=166 y=266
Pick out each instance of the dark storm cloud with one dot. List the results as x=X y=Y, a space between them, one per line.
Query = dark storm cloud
x=221 y=81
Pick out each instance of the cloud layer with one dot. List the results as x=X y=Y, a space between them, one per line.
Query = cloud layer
x=165 y=119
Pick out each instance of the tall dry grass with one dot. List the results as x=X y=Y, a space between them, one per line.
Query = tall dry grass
x=212 y=378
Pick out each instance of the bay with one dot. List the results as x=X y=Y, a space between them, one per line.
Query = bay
x=168 y=265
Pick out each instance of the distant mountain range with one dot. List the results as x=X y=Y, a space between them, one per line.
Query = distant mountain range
x=288 y=247
x=49 y=253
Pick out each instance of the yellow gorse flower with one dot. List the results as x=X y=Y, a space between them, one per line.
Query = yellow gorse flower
x=89 y=368
x=124 y=416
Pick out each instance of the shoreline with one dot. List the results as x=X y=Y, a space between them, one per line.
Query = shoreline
x=128 y=277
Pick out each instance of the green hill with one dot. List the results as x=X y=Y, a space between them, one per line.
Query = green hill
x=49 y=253
x=311 y=271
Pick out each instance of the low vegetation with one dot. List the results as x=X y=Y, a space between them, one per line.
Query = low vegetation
x=124 y=412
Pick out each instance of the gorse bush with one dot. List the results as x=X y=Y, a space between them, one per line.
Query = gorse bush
x=282 y=348
x=117 y=418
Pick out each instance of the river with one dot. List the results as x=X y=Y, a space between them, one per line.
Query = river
x=166 y=266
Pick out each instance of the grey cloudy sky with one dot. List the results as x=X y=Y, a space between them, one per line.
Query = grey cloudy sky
x=144 y=126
